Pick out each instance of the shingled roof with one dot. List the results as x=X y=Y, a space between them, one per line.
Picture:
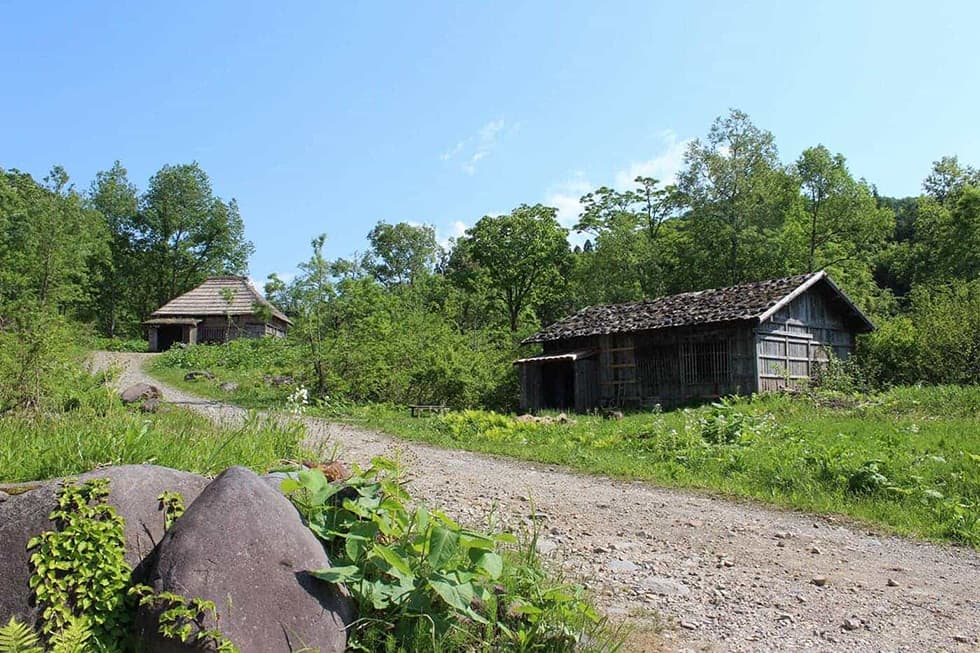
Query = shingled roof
x=207 y=299
x=749 y=301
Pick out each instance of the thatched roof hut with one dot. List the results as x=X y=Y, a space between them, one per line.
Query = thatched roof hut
x=220 y=309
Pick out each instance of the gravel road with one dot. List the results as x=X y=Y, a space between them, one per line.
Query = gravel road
x=690 y=571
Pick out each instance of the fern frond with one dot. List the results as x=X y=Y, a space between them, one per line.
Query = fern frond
x=15 y=637
x=74 y=638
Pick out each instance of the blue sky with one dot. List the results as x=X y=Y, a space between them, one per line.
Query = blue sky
x=328 y=117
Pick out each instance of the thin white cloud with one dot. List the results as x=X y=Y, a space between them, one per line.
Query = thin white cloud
x=474 y=149
x=664 y=166
x=565 y=197
x=451 y=152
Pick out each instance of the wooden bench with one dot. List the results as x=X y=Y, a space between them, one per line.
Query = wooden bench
x=419 y=409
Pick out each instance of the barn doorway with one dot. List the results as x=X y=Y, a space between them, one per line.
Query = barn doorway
x=168 y=335
x=558 y=384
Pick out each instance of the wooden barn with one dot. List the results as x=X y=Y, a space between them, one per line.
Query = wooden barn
x=220 y=309
x=755 y=337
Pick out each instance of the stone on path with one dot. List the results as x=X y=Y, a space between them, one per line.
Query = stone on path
x=139 y=392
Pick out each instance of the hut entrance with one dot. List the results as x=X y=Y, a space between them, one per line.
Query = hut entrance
x=168 y=335
x=558 y=384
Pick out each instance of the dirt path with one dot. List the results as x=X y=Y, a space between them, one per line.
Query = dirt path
x=718 y=575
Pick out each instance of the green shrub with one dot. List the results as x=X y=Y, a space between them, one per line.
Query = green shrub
x=423 y=582
x=937 y=342
x=80 y=570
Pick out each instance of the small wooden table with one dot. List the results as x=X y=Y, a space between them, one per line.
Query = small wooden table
x=419 y=409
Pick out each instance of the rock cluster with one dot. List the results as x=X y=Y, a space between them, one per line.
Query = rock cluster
x=194 y=375
x=240 y=544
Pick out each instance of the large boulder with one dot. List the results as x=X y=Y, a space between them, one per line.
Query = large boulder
x=243 y=545
x=139 y=392
x=133 y=491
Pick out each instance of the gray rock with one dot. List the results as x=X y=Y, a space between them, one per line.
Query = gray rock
x=139 y=392
x=621 y=566
x=851 y=624
x=133 y=491
x=275 y=479
x=664 y=586
x=3 y=496
x=242 y=545
x=544 y=546
x=151 y=405
x=194 y=375
x=228 y=386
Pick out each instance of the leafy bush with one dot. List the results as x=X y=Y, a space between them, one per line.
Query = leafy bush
x=423 y=582
x=468 y=424
x=840 y=376
x=938 y=342
x=136 y=345
x=724 y=423
x=80 y=570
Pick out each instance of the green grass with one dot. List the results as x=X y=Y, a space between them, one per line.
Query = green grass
x=40 y=446
x=907 y=459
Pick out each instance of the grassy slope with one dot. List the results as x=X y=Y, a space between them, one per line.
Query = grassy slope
x=59 y=444
x=908 y=459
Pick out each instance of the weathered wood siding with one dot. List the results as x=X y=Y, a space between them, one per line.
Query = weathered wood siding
x=670 y=366
x=587 y=391
x=530 y=378
x=800 y=337
x=216 y=329
x=677 y=365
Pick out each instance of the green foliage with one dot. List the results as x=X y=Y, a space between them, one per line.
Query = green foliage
x=519 y=259
x=386 y=348
x=80 y=571
x=466 y=424
x=183 y=233
x=49 y=242
x=185 y=620
x=172 y=505
x=401 y=253
x=423 y=582
x=81 y=583
x=15 y=637
x=938 y=342
x=84 y=426
x=724 y=423
x=846 y=377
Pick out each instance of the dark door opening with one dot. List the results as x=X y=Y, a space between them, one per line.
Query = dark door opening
x=168 y=335
x=558 y=385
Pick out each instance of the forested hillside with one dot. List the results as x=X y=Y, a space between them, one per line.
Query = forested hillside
x=413 y=319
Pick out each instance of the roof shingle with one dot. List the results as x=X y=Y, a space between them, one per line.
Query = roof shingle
x=743 y=302
x=207 y=299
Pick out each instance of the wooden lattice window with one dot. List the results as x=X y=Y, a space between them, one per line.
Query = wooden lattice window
x=706 y=362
